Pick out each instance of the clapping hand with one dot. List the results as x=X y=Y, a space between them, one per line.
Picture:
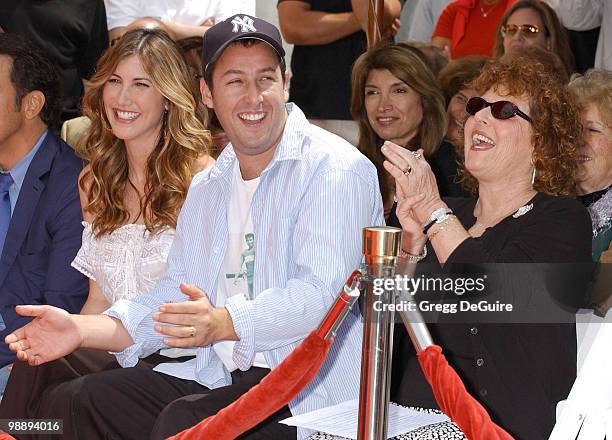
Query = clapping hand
x=416 y=192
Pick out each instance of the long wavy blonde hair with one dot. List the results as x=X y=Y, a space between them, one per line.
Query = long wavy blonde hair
x=182 y=141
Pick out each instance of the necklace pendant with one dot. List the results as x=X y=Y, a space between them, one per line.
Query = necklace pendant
x=484 y=13
x=522 y=210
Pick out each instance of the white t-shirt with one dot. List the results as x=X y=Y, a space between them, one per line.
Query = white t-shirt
x=191 y=12
x=239 y=263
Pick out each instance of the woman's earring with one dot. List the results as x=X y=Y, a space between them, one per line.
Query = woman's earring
x=165 y=127
x=533 y=176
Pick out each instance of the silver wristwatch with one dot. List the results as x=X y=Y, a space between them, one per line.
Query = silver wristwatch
x=438 y=216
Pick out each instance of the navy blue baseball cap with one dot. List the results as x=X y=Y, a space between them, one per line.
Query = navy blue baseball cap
x=237 y=27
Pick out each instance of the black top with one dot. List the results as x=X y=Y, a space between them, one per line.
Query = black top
x=518 y=372
x=72 y=32
x=444 y=165
x=321 y=81
x=588 y=199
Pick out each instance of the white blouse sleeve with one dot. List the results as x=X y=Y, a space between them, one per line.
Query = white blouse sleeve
x=83 y=262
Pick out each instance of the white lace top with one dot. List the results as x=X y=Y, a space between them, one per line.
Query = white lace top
x=126 y=262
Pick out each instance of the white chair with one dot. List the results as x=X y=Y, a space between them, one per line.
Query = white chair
x=587 y=412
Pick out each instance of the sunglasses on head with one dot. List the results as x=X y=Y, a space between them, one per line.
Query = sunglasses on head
x=499 y=109
x=528 y=30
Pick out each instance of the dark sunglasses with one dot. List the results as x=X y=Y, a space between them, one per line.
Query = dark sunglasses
x=528 y=30
x=499 y=109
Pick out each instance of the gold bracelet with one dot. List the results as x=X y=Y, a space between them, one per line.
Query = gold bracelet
x=443 y=225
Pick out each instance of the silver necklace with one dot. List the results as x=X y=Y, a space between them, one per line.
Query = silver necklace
x=518 y=213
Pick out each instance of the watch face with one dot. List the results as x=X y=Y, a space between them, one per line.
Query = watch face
x=440 y=214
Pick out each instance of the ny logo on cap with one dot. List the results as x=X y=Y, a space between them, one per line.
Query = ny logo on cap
x=245 y=23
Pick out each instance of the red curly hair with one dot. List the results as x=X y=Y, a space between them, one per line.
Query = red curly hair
x=556 y=122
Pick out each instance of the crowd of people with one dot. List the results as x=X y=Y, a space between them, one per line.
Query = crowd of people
x=212 y=200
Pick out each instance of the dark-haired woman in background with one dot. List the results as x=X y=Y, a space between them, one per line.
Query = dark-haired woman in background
x=395 y=97
x=455 y=81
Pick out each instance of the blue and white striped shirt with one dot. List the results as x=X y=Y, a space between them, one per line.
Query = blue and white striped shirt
x=313 y=200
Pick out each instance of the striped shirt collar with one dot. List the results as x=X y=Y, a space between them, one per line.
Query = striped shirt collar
x=289 y=147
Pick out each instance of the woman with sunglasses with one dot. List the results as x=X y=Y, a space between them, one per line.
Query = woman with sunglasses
x=520 y=151
x=529 y=23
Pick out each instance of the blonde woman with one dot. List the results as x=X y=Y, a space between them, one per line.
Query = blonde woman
x=146 y=141
x=593 y=91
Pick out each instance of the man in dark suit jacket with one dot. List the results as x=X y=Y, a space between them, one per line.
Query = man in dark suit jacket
x=42 y=233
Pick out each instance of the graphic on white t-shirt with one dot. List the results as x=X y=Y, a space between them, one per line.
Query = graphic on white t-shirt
x=238 y=268
x=246 y=264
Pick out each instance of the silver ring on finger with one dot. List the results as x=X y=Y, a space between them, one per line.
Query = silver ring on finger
x=417 y=156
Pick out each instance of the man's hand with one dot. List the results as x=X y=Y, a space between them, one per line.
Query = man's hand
x=391 y=11
x=52 y=334
x=390 y=31
x=195 y=322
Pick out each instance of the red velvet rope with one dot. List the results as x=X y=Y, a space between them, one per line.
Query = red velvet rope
x=455 y=401
x=274 y=391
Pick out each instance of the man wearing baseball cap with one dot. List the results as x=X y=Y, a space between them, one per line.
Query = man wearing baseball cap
x=285 y=203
